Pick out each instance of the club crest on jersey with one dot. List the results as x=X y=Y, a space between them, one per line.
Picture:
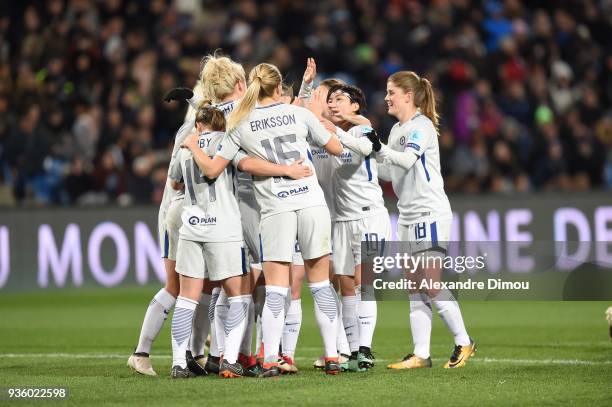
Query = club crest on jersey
x=210 y=220
x=293 y=192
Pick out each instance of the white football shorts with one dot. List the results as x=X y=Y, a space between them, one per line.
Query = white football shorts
x=426 y=235
x=347 y=238
x=311 y=226
x=213 y=260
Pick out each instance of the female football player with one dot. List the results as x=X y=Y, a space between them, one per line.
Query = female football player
x=360 y=216
x=424 y=211
x=268 y=129
x=324 y=166
x=169 y=222
x=210 y=244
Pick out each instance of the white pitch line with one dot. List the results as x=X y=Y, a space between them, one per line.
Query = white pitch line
x=476 y=359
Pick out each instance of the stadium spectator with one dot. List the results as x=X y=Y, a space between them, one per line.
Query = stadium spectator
x=525 y=87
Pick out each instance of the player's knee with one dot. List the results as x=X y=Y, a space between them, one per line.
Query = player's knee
x=347 y=285
x=173 y=286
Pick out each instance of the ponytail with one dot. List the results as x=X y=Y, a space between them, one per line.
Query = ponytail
x=428 y=102
x=422 y=90
x=246 y=105
x=263 y=80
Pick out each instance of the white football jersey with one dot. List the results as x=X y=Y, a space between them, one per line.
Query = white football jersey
x=210 y=210
x=170 y=194
x=324 y=163
x=355 y=183
x=244 y=181
x=420 y=190
x=278 y=133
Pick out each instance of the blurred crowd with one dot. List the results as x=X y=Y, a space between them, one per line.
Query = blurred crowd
x=524 y=88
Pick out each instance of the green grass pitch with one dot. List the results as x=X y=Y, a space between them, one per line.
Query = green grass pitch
x=542 y=353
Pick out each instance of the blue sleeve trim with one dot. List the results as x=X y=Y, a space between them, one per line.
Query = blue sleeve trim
x=244 y=263
x=368 y=169
x=414 y=146
x=309 y=155
x=166 y=245
x=434 y=234
x=424 y=167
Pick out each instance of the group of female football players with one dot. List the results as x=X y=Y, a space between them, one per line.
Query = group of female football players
x=259 y=180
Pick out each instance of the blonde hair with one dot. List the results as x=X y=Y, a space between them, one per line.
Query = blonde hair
x=422 y=90
x=218 y=78
x=263 y=81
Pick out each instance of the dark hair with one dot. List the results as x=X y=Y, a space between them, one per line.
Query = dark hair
x=331 y=82
x=288 y=90
x=210 y=115
x=354 y=93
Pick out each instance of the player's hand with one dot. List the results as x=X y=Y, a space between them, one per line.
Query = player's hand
x=373 y=137
x=179 y=94
x=191 y=141
x=318 y=100
x=329 y=126
x=311 y=70
x=353 y=118
x=296 y=170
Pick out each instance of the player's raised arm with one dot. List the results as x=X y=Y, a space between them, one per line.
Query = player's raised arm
x=307 y=81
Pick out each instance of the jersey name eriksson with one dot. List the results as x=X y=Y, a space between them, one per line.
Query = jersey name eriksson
x=271 y=122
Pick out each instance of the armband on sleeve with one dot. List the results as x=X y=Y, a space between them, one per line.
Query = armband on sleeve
x=305 y=90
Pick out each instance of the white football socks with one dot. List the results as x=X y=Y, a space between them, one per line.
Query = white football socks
x=182 y=322
x=220 y=316
x=247 y=338
x=449 y=311
x=350 y=321
x=342 y=344
x=293 y=323
x=273 y=319
x=367 y=313
x=201 y=326
x=214 y=349
x=235 y=325
x=326 y=314
x=260 y=299
x=420 y=323
x=156 y=314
